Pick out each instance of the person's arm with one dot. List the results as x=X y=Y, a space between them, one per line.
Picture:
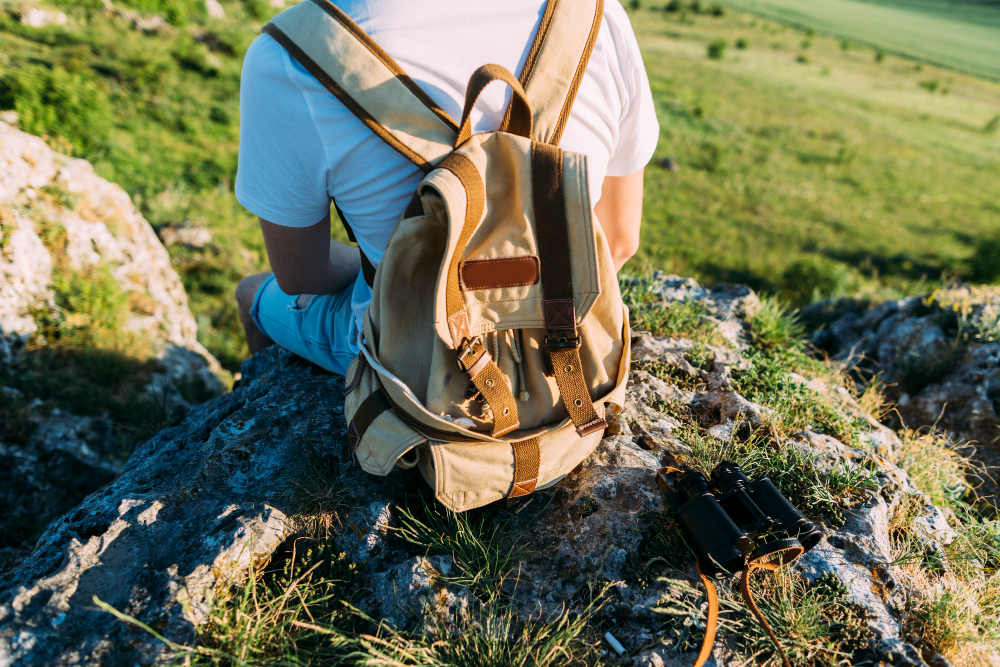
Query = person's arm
x=306 y=261
x=619 y=213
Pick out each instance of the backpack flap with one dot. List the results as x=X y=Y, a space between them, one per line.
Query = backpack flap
x=490 y=278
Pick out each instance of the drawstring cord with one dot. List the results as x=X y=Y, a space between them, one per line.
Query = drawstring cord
x=515 y=350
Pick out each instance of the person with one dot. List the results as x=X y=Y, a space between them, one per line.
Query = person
x=301 y=148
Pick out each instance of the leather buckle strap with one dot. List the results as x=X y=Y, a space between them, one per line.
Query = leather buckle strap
x=476 y=361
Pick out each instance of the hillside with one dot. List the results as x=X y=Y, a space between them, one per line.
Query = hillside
x=805 y=166
x=813 y=167
x=961 y=34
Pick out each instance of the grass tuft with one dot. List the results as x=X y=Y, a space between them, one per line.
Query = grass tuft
x=492 y=636
x=485 y=553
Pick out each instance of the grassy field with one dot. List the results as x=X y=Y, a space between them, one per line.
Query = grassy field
x=963 y=34
x=814 y=167
x=806 y=167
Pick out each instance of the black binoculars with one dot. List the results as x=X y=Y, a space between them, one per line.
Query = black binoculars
x=719 y=519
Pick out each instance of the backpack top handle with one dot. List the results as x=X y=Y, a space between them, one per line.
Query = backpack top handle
x=520 y=109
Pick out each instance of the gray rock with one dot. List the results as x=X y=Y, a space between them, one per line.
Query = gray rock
x=199 y=502
x=934 y=379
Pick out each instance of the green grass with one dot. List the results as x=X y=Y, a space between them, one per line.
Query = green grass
x=484 y=552
x=830 y=178
x=962 y=34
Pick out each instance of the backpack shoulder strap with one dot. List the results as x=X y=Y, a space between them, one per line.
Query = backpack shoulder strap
x=348 y=62
x=557 y=61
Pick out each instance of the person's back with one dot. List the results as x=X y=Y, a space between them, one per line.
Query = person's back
x=300 y=146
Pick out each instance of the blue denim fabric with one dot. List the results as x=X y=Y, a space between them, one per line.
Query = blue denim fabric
x=320 y=332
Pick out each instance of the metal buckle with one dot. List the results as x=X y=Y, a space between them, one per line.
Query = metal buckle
x=562 y=342
x=466 y=351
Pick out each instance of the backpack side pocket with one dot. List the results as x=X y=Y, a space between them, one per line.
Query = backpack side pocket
x=376 y=436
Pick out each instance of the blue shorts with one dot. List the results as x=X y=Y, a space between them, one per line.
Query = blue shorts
x=320 y=331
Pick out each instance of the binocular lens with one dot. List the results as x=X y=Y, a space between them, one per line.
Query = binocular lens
x=784 y=514
x=715 y=539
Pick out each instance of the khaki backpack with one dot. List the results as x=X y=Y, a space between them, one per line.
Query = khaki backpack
x=496 y=338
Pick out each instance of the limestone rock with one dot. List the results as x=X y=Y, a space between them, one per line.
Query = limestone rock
x=57 y=215
x=939 y=355
x=200 y=501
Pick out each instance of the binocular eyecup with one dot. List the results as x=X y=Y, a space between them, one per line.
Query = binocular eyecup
x=720 y=518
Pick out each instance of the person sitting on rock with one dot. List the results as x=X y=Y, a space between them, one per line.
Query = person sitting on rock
x=301 y=148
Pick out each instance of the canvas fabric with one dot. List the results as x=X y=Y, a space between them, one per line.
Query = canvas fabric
x=496 y=340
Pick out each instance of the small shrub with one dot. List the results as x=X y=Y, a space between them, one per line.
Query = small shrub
x=635 y=5
x=930 y=85
x=293 y=612
x=673 y=6
x=715 y=9
x=803 y=59
x=917 y=370
x=816 y=277
x=676 y=319
x=845 y=46
x=992 y=125
x=717 y=49
x=936 y=467
x=879 y=56
x=54 y=102
x=494 y=636
x=772 y=328
x=984 y=265
x=741 y=43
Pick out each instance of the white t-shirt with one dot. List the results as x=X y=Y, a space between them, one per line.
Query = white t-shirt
x=300 y=146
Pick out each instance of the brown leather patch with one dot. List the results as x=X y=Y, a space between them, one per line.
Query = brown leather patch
x=522 y=488
x=476 y=274
x=559 y=314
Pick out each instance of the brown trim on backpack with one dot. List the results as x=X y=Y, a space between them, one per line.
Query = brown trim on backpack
x=475 y=274
x=562 y=341
x=536 y=47
x=386 y=59
x=581 y=69
x=342 y=95
x=475 y=193
x=368 y=412
x=482 y=77
x=527 y=459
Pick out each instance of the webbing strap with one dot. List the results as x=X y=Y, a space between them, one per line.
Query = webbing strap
x=566 y=366
x=557 y=61
x=562 y=340
x=475 y=203
x=476 y=361
x=348 y=62
x=527 y=459
x=368 y=412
